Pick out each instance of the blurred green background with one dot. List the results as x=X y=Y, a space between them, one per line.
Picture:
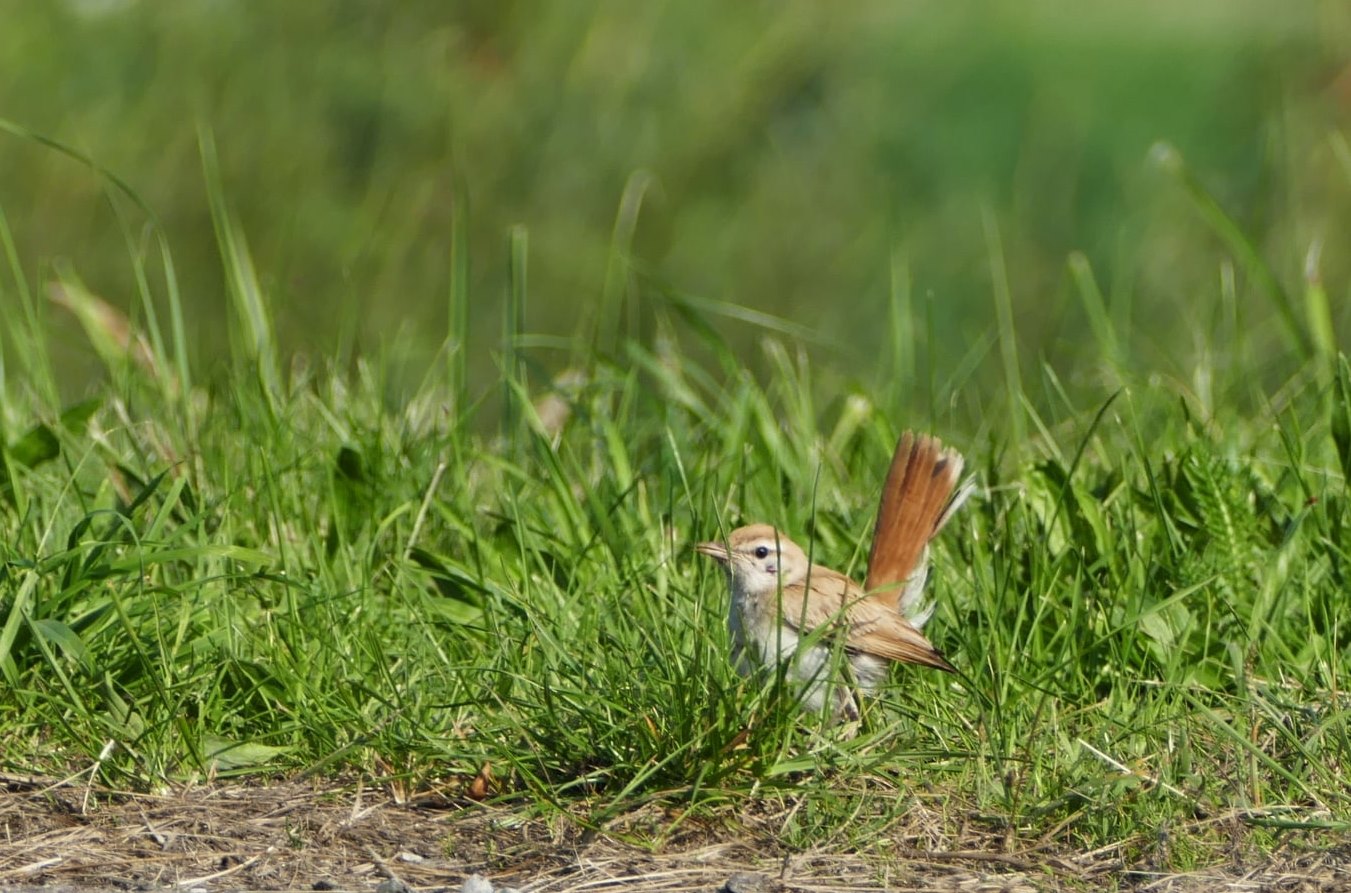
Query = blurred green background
x=812 y=161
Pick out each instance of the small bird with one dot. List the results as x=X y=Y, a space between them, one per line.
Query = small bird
x=779 y=597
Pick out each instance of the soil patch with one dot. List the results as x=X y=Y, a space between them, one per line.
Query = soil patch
x=315 y=836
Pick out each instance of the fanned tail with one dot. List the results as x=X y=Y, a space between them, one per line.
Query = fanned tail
x=920 y=496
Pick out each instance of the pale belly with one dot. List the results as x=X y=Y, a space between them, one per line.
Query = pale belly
x=759 y=640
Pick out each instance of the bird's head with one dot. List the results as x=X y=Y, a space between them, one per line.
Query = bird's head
x=758 y=558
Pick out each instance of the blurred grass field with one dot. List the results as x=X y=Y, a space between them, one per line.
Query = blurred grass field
x=802 y=160
x=288 y=484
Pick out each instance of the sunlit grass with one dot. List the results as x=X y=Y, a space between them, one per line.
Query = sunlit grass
x=276 y=565
x=296 y=574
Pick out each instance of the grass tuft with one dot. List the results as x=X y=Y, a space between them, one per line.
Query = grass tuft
x=240 y=575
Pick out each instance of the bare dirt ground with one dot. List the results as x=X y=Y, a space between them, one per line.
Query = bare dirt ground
x=315 y=836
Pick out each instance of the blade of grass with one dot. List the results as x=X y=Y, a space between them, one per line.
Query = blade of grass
x=1008 y=340
x=246 y=294
x=1170 y=160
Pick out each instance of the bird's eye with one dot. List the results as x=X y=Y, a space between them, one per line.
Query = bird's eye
x=762 y=551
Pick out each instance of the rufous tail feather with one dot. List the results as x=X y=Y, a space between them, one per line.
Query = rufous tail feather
x=917 y=500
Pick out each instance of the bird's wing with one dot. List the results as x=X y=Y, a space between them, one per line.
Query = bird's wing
x=875 y=628
x=834 y=593
x=869 y=626
x=917 y=500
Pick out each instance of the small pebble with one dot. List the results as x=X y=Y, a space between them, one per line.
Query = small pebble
x=324 y=884
x=393 y=885
x=746 y=882
x=477 y=883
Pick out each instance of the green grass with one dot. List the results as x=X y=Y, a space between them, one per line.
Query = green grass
x=410 y=552
x=281 y=568
x=787 y=159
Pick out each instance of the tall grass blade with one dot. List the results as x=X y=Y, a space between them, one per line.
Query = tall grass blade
x=457 y=317
x=1171 y=161
x=513 y=327
x=1341 y=150
x=246 y=294
x=615 y=307
x=1340 y=416
x=119 y=186
x=184 y=368
x=1008 y=338
x=28 y=339
x=1317 y=312
x=112 y=335
x=1095 y=310
x=902 y=318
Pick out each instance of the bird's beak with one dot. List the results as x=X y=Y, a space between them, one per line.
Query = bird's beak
x=715 y=551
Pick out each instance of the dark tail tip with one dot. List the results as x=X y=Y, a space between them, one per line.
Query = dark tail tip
x=941 y=663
